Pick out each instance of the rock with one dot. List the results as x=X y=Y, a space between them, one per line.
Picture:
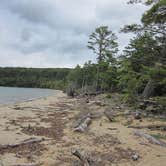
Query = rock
x=87 y=100
x=137 y=115
x=135 y=157
x=118 y=107
x=142 y=105
x=100 y=103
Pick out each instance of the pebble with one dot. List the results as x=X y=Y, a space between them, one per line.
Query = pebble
x=135 y=157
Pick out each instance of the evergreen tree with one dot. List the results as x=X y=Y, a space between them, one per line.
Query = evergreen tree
x=104 y=45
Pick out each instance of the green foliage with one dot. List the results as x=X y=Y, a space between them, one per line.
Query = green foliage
x=103 y=43
x=144 y=58
x=31 y=77
x=157 y=14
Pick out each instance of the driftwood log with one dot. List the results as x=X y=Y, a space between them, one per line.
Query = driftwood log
x=85 y=120
x=152 y=127
x=83 y=123
x=30 y=164
x=25 y=142
x=81 y=157
x=150 y=138
x=81 y=119
x=109 y=115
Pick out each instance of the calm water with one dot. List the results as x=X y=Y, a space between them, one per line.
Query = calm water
x=9 y=95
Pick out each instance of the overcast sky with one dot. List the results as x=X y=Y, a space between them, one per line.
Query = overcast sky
x=54 y=33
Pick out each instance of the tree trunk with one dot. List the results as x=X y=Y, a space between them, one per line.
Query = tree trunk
x=97 y=80
x=25 y=142
x=149 y=89
x=84 y=125
x=150 y=138
x=83 y=159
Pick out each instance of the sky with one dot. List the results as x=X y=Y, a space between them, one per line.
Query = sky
x=54 y=33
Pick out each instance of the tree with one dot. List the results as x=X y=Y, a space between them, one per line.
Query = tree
x=103 y=43
x=153 y=46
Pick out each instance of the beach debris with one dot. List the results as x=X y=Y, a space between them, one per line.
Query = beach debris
x=27 y=164
x=112 y=128
x=161 y=127
x=109 y=114
x=137 y=115
x=86 y=159
x=100 y=103
x=150 y=138
x=135 y=157
x=83 y=123
x=25 y=142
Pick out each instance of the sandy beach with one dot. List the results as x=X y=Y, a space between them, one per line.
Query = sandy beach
x=51 y=120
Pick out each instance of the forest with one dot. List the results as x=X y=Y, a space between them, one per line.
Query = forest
x=34 y=77
x=140 y=70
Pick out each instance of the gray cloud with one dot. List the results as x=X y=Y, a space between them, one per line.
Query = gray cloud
x=54 y=33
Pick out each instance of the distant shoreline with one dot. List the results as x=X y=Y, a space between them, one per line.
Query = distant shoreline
x=25 y=99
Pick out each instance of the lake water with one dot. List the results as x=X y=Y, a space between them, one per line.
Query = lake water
x=10 y=95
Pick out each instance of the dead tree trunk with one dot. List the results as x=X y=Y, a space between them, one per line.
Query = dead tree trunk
x=109 y=115
x=25 y=142
x=83 y=124
x=83 y=159
x=27 y=164
x=150 y=138
x=149 y=89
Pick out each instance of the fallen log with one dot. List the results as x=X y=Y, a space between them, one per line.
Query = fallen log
x=31 y=164
x=150 y=138
x=109 y=115
x=81 y=157
x=25 y=142
x=152 y=127
x=93 y=93
x=80 y=120
x=112 y=128
x=83 y=125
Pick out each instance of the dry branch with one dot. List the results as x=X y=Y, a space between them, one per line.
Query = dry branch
x=83 y=125
x=150 y=138
x=109 y=115
x=25 y=142
x=32 y=164
x=152 y=127
x=81 y=157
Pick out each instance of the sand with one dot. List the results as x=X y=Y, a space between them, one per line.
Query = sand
x=52 y=118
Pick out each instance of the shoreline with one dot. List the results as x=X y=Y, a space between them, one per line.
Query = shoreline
x=30 y=99
x=51 y=120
